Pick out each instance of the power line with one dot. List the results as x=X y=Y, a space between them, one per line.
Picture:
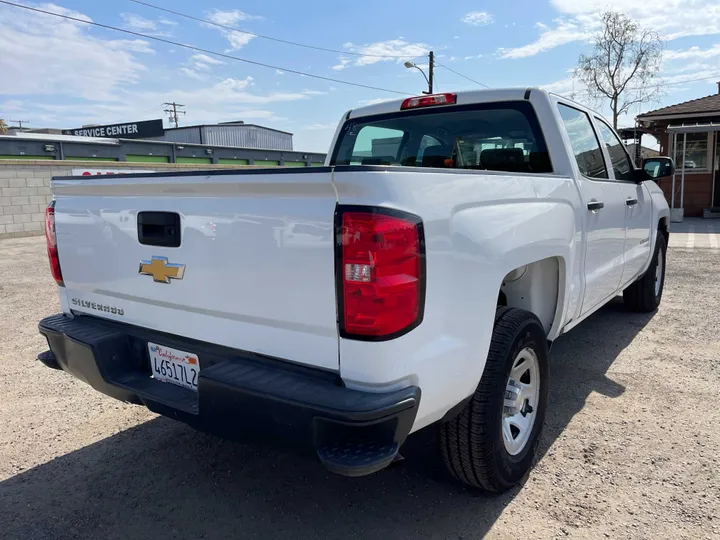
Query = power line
x=287 y=42
x=200 y=49
x=463 y=76
x=153 y=108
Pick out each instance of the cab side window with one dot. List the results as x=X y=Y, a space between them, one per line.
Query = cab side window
x=621 y=163
x=584 y=142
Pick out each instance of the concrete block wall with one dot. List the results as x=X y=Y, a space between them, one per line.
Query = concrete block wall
x=24 y=194
x=25 y=188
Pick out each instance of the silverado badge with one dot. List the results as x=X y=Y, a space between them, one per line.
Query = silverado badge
x=161 y=270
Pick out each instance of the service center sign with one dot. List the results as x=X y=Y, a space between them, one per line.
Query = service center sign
x=131 y=130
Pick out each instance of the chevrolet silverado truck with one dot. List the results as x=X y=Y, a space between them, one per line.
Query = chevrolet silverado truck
x=417 y=279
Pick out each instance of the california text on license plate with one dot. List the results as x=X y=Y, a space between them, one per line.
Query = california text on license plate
x=174 y=366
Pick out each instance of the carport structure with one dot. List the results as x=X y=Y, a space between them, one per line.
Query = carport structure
x=688 y=132
x=679 y=134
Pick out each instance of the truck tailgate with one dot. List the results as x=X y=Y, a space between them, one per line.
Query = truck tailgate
x=254 y=269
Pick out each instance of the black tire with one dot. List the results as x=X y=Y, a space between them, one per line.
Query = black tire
x=472 y=443
x=641 y=296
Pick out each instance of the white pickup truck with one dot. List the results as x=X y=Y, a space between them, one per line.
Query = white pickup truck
x=418 y=278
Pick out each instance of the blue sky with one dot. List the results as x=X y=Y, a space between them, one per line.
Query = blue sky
x=57 y=73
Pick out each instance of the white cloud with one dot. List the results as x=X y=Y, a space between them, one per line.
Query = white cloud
x=136 y=22
x=205 y=59
x=342 y=65
x=226 y=100
x=672 y=19
x=133 y=45
x=580 y=28
x=238 y=40
x=235 y=84
x=41 y=54
x=230 y=18
x=562 y=86
x=693 y=52
x=318 y=127
x=191 y=73
x=224 y=93
x=12 y=105
x=141 y=24
x=314 y=93
x=258 y=114
x=376 y=101
x=203 y=62
x=705 y=71
x=279 y=72
x=477 y=18
x=397 y=50
x=674 y=68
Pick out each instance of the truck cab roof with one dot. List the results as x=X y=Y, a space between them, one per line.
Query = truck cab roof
x=463 y=98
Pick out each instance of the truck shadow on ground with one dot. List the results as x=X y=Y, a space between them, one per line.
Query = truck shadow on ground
x=163 y=480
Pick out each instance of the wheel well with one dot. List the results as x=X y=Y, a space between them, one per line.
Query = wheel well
x=533 y=287
x=663 y=228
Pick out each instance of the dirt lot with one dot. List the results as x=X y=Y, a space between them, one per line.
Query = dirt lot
x=630 y=449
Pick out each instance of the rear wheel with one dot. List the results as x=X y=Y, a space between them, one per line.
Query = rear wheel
x=645 y=294
x=492 y=442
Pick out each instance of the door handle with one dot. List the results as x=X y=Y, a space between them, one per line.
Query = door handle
x=631 y=201
x=159 y=228
x=594 y=205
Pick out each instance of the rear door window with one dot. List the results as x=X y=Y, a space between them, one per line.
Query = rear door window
x=619 y=158
x=584 y=142
x=502 y=136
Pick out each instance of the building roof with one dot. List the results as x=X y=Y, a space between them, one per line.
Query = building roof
x=229 y=124
x=708 y=105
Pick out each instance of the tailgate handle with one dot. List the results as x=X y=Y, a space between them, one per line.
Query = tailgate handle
x=159 y=229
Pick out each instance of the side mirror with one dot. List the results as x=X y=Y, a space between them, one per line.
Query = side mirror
x=658 y=167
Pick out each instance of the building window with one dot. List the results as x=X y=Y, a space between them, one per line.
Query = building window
x=696 y=151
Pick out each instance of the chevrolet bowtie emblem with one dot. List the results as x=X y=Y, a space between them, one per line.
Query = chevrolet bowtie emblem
x=161 y=270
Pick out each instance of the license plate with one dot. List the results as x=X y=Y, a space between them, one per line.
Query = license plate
x=174 y=366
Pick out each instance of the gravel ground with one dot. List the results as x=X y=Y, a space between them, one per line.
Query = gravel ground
x=630 y=448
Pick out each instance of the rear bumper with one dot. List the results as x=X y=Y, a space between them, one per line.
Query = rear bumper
x=240 y=394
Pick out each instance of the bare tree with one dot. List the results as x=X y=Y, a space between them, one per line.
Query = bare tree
x=3 y=127
x=623 y=65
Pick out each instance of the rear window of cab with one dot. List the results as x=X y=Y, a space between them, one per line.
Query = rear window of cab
x=501 y=136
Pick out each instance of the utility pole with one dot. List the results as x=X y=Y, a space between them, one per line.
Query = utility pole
x=20 y=122
x=431 y=70
x=174 y=112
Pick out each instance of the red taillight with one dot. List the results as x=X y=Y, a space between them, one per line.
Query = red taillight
x=428 y=101
x=381 y=275
x=52 y=244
